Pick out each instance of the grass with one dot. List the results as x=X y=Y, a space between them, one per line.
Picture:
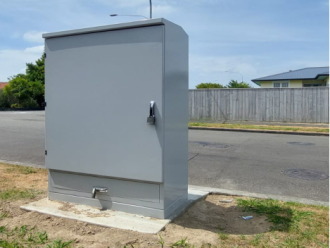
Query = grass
x=13 y=185
x=294 y=224
x=223 y=236
x=281 y=216
x=25 y=170
x=3 y=215
x=16 y=194
x=161 y=241
x=256 y=240
x=261 y=127
x=181 y=243
x=26 y=237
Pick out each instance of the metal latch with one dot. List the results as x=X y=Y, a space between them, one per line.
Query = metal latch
x=151 y=118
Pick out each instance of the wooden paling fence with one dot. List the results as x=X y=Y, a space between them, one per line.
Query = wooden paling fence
x=261 y=104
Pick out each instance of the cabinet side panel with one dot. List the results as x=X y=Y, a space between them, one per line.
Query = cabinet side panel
x=175 y=114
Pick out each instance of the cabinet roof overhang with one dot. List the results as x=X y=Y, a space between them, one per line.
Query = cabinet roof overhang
x=126 y=25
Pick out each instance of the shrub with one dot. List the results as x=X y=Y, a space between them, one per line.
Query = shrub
x=4 y=103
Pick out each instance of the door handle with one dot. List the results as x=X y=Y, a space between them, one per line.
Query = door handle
x=98 y=189
x=151 y=118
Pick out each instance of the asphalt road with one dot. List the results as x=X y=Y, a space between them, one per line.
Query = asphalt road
x=22 y=137
x=256 y=162
x=230 y=160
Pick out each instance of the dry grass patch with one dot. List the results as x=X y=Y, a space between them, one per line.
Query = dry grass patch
x=261 y=127
x=212 y=222
x=22 y=178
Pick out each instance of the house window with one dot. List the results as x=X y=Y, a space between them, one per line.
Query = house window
x=312 y=85
x=279 y=84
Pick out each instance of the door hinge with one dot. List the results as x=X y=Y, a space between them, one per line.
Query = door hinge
x=45 y=55
x=45 y=104
x=45 y=152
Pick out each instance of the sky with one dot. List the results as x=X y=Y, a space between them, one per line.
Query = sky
x=228 y=39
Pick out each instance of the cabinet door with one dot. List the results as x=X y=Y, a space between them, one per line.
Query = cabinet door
x=98 y=92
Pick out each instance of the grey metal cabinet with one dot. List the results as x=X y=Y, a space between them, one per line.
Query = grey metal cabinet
x=100 y=83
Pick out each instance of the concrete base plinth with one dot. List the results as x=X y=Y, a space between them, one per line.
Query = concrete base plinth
x=109 y=218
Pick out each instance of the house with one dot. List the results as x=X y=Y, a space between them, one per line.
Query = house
x=2 y=85
x=306 y=77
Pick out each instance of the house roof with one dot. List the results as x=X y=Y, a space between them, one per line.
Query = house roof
x=305 y=73
x=3 y=84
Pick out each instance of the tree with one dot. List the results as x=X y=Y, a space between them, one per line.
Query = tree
x=235 y=84
x=209 y=86
x=36 y=72
x=23 y=94
x=37 y=90
x=17 y=90
x=20 y=75
x=4 y=103
x=27 y=90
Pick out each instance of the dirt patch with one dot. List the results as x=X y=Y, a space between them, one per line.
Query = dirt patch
x=216 y=216
x=200 y=224
x=212 y=222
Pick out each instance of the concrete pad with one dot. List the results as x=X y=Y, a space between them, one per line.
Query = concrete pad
x=109 y=218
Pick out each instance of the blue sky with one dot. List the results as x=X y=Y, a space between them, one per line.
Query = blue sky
x=254 y=38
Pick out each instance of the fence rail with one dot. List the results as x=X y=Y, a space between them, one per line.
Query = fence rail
x=269 y=104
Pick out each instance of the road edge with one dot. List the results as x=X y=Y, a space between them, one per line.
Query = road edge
x=257 y=195
x=22 y=164
x=257 y=131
